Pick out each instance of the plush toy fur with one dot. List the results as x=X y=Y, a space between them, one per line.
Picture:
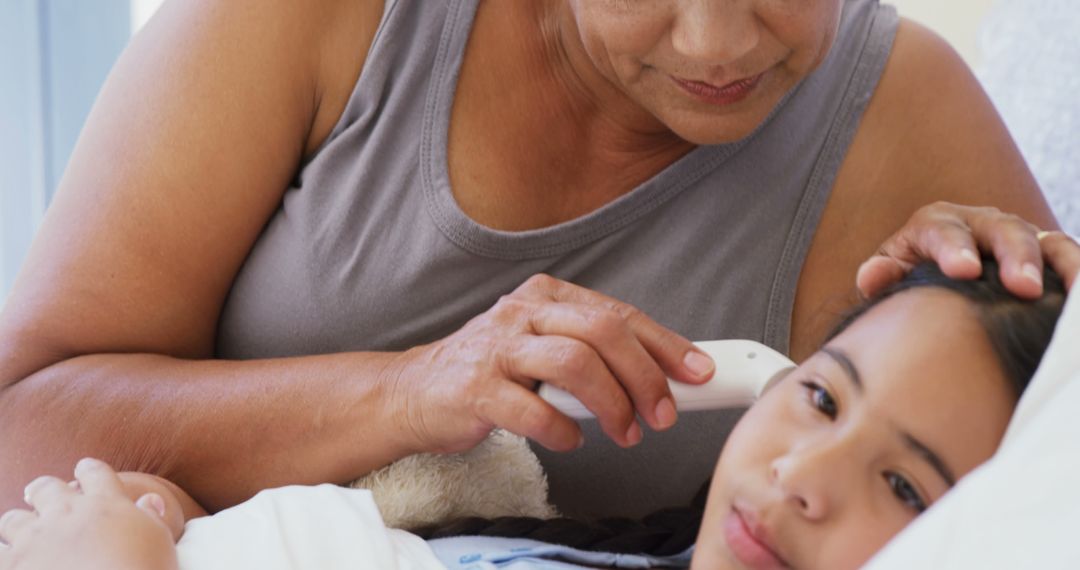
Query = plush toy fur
x=499 y=477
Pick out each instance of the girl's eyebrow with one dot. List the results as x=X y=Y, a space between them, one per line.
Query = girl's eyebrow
x=920 y=448
x=932 y=458
x=848 y=366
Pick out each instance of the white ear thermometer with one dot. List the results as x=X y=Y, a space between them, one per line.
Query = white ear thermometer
x=744 y=369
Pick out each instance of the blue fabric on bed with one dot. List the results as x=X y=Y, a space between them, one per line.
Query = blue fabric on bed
x=490 y=553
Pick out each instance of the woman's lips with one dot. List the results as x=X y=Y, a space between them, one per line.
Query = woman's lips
x=724 y=95
x=751 y=550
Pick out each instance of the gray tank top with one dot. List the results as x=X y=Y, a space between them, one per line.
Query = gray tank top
x=370 y=251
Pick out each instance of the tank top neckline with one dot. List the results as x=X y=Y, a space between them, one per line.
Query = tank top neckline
x=548 y=241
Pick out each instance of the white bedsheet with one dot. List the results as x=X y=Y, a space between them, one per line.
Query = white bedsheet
x=1022 y=508
x=302 y=528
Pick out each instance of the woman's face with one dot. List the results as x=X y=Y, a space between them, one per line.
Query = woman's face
x=855 y=443
x=710 y=70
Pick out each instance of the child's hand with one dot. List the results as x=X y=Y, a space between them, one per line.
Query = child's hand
x=94 y=527
x=179 y=506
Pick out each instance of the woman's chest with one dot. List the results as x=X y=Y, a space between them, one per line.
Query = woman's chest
x=364 y=278
x=518 y=167
x=528 y=148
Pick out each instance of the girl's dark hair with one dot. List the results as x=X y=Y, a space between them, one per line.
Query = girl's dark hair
x=663 y=533
x=1019 y=330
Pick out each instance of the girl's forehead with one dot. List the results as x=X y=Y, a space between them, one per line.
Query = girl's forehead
x=925 y=339
x=926 y=366
x=918 y=327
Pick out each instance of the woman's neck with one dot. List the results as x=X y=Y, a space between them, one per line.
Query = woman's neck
x=538 y=135
x=592 y=97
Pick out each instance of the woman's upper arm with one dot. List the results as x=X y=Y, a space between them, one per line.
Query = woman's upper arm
x=929 y=134
x=949 y=141
x=195 y=136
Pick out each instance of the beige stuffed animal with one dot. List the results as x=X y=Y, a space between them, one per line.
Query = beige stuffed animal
x=499 y=477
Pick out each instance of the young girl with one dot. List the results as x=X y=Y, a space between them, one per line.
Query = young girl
x=913 y=391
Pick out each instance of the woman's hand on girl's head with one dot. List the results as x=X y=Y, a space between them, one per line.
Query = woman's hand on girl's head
x=953 y=235
x=92 y=525
x=1063 y=254
x=608 y=354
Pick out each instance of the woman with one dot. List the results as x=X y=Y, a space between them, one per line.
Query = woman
x=833 y=461
x=280 y=213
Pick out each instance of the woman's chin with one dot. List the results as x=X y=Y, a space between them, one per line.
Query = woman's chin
x=702 y=123
x=702 y=127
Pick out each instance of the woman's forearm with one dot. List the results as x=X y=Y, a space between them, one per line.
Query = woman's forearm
x=222 y=430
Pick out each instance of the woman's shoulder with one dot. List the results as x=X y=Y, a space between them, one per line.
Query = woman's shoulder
x=944 y=137
x=929 y=134
x=349 y=30
x=923 y=69
x=312 y=32
x=319 y=45
x=344 y=32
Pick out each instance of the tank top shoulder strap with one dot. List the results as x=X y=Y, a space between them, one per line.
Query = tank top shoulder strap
x=830 y=102
x=399 y=60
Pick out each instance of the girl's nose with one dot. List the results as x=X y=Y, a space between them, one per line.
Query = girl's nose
x=715 y=32
x=814 y=478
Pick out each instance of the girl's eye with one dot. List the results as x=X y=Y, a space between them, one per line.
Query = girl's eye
x=906 y=492
x=821 y=399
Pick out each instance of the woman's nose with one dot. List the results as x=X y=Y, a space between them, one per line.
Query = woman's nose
x=715 y=32
x=813 y=478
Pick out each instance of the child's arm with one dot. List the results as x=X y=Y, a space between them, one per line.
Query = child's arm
x=93 y=527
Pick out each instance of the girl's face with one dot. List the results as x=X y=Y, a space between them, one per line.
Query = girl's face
x=861 y=438
x=709 y=70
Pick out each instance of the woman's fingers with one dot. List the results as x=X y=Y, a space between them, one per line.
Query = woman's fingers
x=575 y=367
x=952 y=235
x=1063 y=254
x=877 y=273
x=677 y=356
x=1015 y=244
x=97 y=478
x=518 y=410
x=13 y=522
x=932 y=233
x=614 y=342
x=608 y=354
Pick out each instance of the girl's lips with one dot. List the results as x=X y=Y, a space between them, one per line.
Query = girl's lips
x=724 y=95
x=748 y=548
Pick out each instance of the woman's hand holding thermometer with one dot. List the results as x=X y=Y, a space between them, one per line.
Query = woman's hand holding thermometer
x=744 y=369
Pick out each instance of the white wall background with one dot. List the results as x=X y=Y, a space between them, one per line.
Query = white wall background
x=141 y=10
x=54 y=55
x=957 y=21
